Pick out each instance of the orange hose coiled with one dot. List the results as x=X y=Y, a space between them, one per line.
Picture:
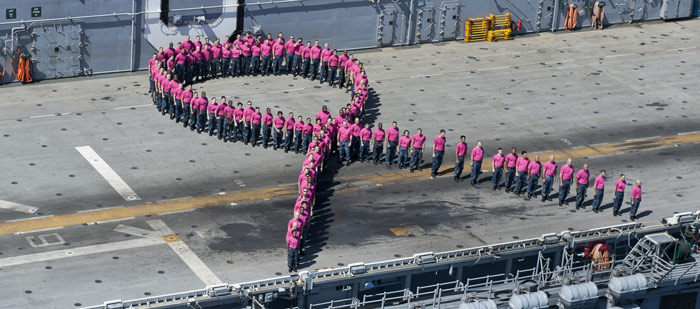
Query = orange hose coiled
x=23 y=74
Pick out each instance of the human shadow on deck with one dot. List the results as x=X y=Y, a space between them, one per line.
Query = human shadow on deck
x=323 y=214
x=372 y=109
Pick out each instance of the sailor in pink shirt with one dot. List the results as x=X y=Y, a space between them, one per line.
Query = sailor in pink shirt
x=365 y=138
x=248 y=128
x=211 y=111
x=636 y=199
x=565 y=176
x=344 y=140
x=299 y=134
x=277 y=56
x=534 y=171
x=332 y=68
x=267 y=122
x=549 y=170
x=324 y=114
x=194 y=105
x=255 y=124
x=255 y=51
x=216 y=59
x=315 y=60
x=438 y=153
x=221 y=118
x=620 y=185
x=289 y=48
x=187 y=44
x=521 y=172
x=293 y=251
x=497 y=169
x=245 y=58
x=326 y=53
x=417 y=142
x=266 y=52
x=477 y=157
x=460 y=155
x=404 y=146
x=239 y=123
x=186 y=110
x=177 y=94
x=278 y=130
x=342 y=59
x=229 y=122
x=305 y=59
x=599 y=186
x=226 y=59
x=581 y=185
x=392 y=140
x=378 y=146
x=308 y=134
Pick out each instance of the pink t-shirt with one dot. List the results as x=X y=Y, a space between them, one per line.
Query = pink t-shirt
x=292 y=242
x=549 y=168
x=323 y=116
x=245 y=51
x=392 y=134
x=325 y=54
x=315 y=52
x=366 y=134
x=279 y=122
x=511 y=159
x=226 y=53
x=180 y=59
x=355 y=129
x=255 y=50
x=404 y=141
x=637 y=193
x=344 y=134
x=418 y=140
x=212 y=108
x=620 y=186
x=248 y=113
x=265 y=49
x=439 y=143
x=178 y=93
x=187 y=96
x=299 y=126
x=599 y=182
x=566 y=172
x=290 y=123
x=333 y=60
x=277 y=49
x=216 y=51
x=522 y=163
x=461 y=149
x=582 y=177
x=477 y=153
x=228 y=110
x=256 y=118
x=534 y=167
x=498 y=160
x=308 y=128
x=238 y=114
x=342 y=59
x=289 y=47
x=235 y=53
x=379 y=135
x=267 y=119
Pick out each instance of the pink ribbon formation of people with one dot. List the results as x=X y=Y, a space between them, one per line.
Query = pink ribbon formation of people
x=174 y=70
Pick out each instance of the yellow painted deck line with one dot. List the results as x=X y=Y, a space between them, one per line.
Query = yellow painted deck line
x=376 y=178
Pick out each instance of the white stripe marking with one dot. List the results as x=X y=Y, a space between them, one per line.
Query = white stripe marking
x=42 y=116
x=40 y=230
x=18 y=207
x=98 y=209
x=95 y=249
x=108 y=173
x=490 y=69
x=175 y=212
x=134 y=106
x=135 y=231
x=620 y=55
x=187 y=255
x=111 y=221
